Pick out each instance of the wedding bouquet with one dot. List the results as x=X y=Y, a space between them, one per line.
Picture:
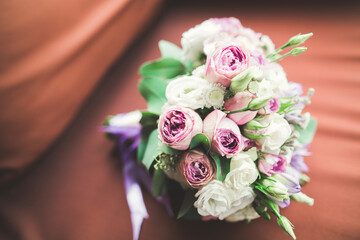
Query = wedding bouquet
x=224 y=130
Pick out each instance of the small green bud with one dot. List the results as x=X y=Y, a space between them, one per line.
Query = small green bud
x=286 y=225
x=253 y=87
x=240 y=82
x=274 y=189
x=298 y=39
x=254 y=125
x=304 y=179
x=258 y=103
x=303 y=198
x=297 y=51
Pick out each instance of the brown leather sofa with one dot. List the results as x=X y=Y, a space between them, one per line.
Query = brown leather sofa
x=53 y=55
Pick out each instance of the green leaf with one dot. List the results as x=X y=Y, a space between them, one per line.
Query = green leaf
x=148 y=118
x=153 y=90
x=159 y=183
x=168 y=150
x=165 y=68
x=307 y=135
x=152 y=149
x=144 y=137
x=222 y=167
x=200 y=139
x=169 y=50
x=187 y=203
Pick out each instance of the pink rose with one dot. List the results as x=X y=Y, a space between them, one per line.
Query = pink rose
x=239 y=101
x=271 y=106
x=197 y=168
x=225 y=63
x=177 y=126
x=271 y=164
x=223 y=133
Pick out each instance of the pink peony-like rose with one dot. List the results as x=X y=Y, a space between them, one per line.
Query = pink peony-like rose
x=223 y=133
x=177 y=126
x=271 y=164
x=271 y=106
x=197 y=168
x=240 y=101
x=225 y=63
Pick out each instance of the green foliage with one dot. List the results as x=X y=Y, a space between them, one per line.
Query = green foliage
x=187 y=203
x=169 y=50
x=152 y=149
x=159 y=183
x=149 y=119
x=165 y=68
x=222 y=166
x=200 y=139
x=307 y=135
x=153 y=90
x=167 y=161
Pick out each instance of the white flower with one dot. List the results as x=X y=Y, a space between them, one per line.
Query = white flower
x=214 y=95
x=265 y=89
x=192 y=41
x=199 y=71
x=288 y=153
x=247 y=213
x=219 y=40
x=187 y=91
x=267 y=44
x=275 y=134
x=275 y=74
x=215 y=199
x=126 y=120
x=243 y=171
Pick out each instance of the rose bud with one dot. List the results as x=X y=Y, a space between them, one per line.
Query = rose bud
x=223 y=133
x=271 y=164
x=197 y=168
x=271 y=106
x=177 y=126
x=225 y=63
x=239 y=101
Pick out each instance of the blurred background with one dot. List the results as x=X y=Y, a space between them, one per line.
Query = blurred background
x=65 y=66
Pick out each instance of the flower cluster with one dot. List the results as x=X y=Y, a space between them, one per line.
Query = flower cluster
x=221 y=108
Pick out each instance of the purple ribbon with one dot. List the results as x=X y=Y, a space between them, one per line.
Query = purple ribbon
x=128 y=139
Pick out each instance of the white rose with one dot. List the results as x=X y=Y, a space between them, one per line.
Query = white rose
x=213 y=199
x=241 y=198
x=247 y=213
x=243 y=171
x=126 y=120
x=216 y=199
x=275 y=135
x=187 y=91
x=192 y=41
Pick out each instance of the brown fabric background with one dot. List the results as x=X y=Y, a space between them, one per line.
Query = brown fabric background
x=52 y=53
x=76 y=190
